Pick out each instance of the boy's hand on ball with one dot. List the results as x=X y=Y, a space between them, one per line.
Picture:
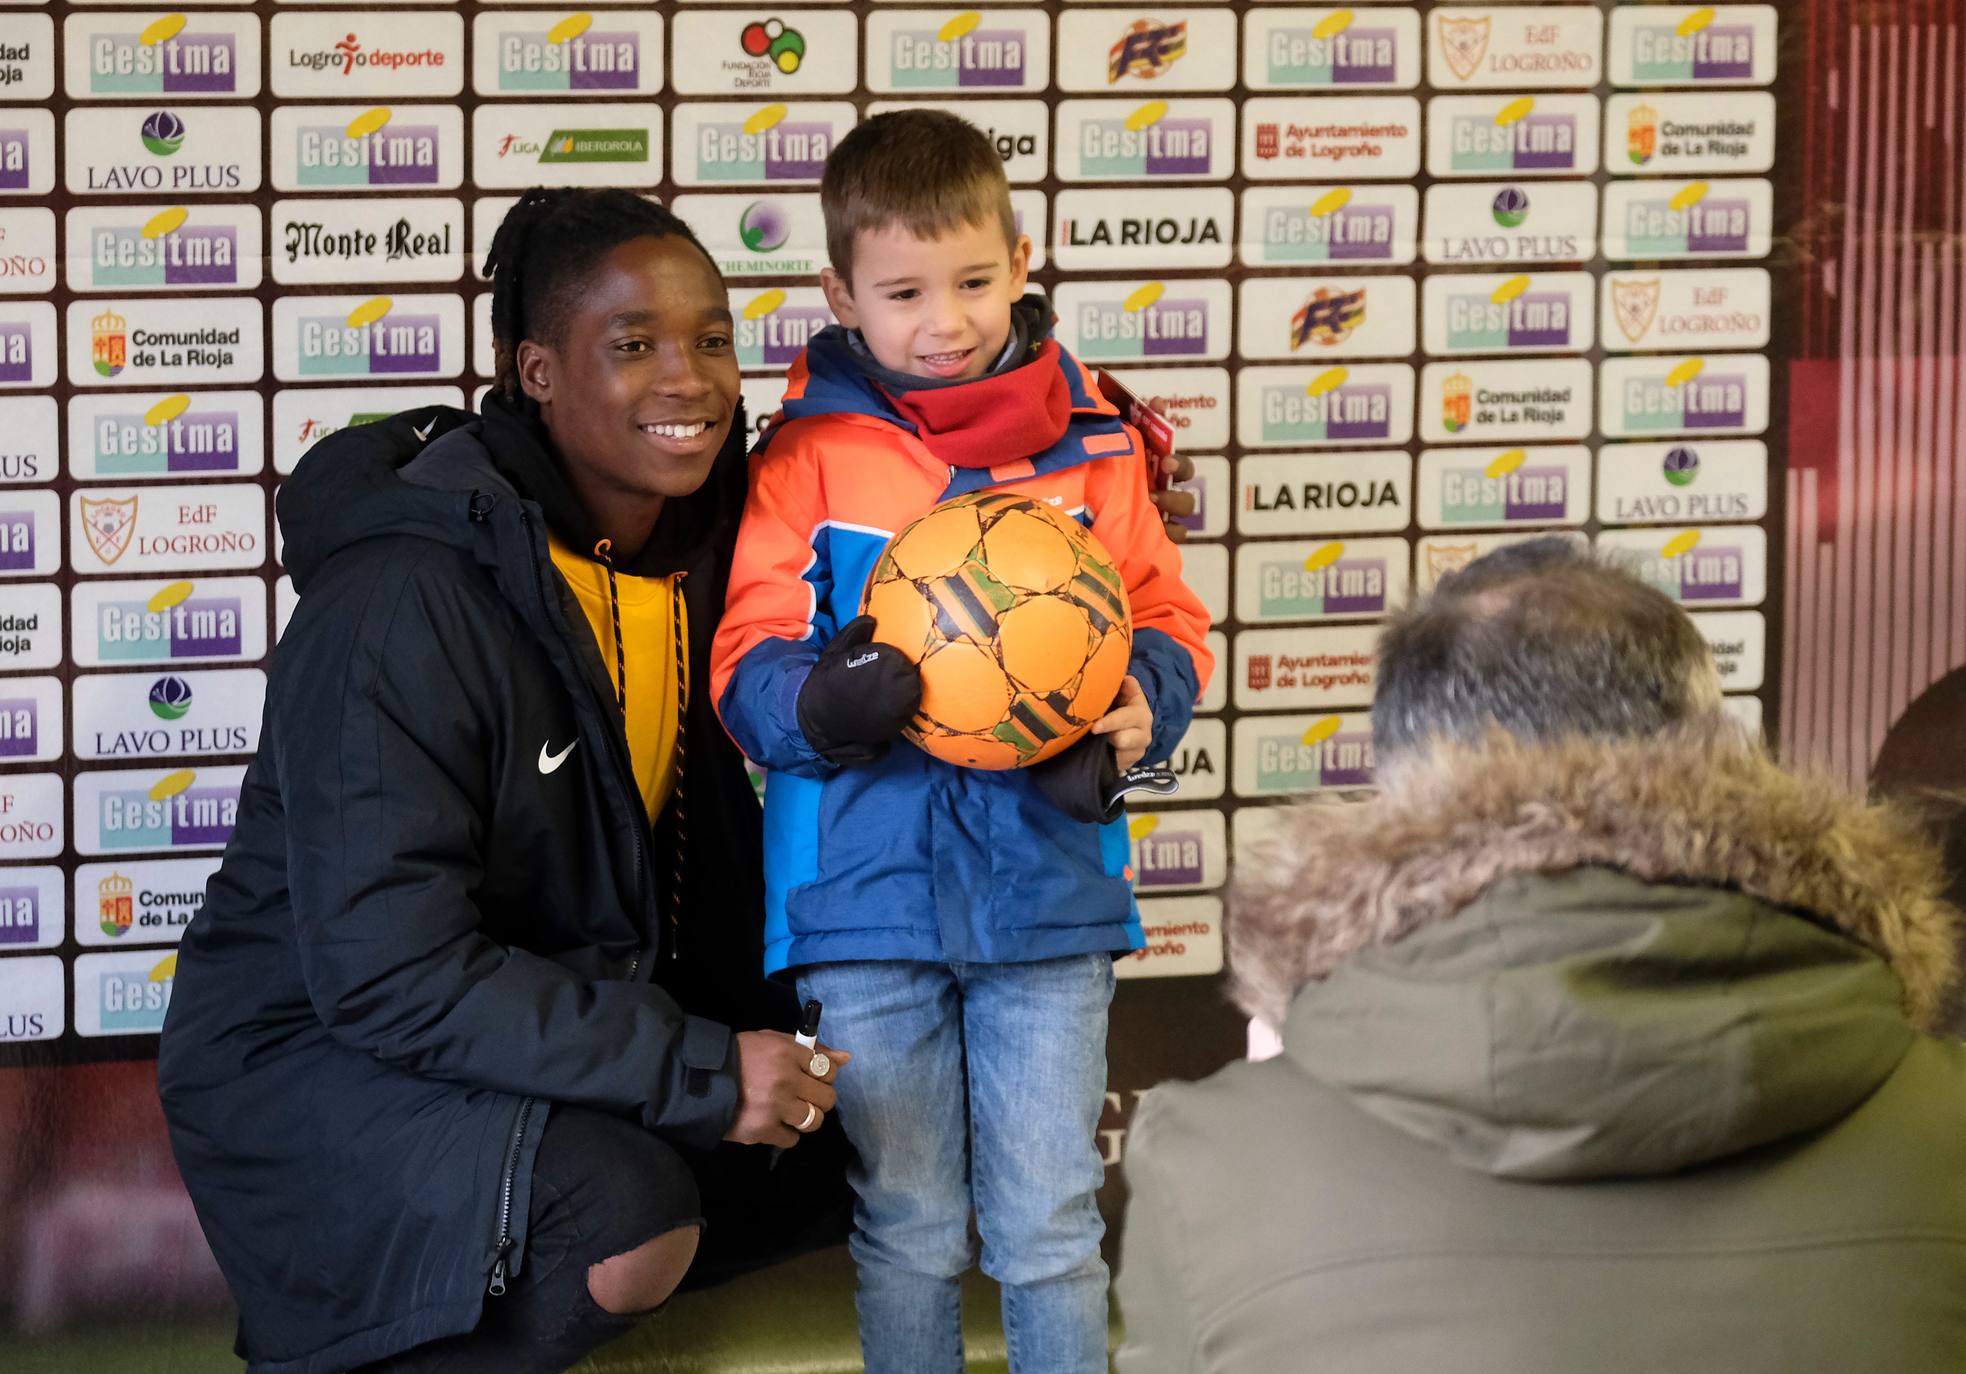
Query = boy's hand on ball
x=1128 y=725
x=858 y=696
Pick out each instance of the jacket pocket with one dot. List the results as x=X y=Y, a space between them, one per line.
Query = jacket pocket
x=873 y=853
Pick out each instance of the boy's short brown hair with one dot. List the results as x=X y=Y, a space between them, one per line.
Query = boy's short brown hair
x=925 y=169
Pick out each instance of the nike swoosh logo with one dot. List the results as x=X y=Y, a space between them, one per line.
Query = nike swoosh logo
x=550 y=763
x=423 y=435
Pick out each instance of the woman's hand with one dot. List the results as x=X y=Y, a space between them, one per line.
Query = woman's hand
x=777 y=1100
x=1129 y=725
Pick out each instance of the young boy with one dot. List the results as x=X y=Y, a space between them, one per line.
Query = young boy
x=959 y=925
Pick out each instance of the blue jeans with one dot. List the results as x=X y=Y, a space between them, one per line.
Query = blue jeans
x=974 y=1084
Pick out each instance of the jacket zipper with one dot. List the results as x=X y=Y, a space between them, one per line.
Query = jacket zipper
x=497 y=1285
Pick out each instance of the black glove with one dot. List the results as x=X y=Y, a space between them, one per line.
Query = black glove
x=1085 y=781
x=858 y=696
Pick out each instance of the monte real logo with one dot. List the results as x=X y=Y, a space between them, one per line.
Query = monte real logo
x=186 y=808
x=1315 y=49
x=119 y=624
x=1129 y=321
x=1550 y=135
x=123 y=57
x=160 y=248
x=533 y=52
x=375 y=336
x=775 y=324
x=199 y=150
x=735 y=145
x=404 y=238
x=1005 y=50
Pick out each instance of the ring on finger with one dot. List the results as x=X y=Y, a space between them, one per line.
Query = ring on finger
x=820 y=1064
x=811 y=1119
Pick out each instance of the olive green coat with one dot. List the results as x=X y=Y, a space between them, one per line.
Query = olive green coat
x=1598 y=1060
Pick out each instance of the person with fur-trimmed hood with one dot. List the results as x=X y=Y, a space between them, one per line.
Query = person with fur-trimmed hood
x=1604 y=1038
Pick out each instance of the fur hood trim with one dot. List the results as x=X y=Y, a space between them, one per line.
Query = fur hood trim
x=1702 y=806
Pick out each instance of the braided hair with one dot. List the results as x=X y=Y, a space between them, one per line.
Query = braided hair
x=544 y=250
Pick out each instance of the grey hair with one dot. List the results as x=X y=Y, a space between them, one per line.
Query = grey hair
x=1543 y=640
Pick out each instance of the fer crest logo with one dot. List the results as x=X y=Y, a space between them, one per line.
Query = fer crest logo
x=1147 y=49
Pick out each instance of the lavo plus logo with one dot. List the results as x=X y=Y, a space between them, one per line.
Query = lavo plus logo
x=206 y=150
x=219 y=57
x=773 y=328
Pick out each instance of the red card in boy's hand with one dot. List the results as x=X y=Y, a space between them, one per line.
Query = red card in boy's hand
x=1155 y=432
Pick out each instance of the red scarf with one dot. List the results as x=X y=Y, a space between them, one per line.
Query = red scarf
x=993 y=420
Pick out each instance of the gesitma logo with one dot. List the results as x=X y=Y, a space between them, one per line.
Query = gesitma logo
x=171 y=55
x=16 y=159
x=377 y=147
x=20 y=735
x=1103 y=139
x=575 y=53
x=1329 y=581
x=1352 y=224
x=1331 y=751
x=1512 y=488
x=1006 y=50
x=1725 y=393
x=1526 y=135
x=186 y=808
x=774 y=325
x=20 y=915
x=17 y=352
x=123 y=623
x=133 y=1002
x=1338 y=405
x=149 y=248
x=770 y=143
x=1650 y=219
x=1701 y=46
x=1149 y=320
x=1340 y=48
x=1713 y=565
x=381 y=336
x=1518 y=313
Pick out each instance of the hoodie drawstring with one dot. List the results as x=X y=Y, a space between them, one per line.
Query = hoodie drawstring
x=679 y=628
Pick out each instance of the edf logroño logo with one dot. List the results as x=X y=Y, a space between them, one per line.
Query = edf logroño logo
x=219 y=57
x=185 y=808
x=773 y=328
x=374 y=148
x=1007 y=50
x=573 y=54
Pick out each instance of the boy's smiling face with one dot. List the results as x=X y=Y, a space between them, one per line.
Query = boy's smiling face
x=932 y=307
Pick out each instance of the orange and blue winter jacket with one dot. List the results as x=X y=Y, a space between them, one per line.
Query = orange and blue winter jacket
x=910 y=857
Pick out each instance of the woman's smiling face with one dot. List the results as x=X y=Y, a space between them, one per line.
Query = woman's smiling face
x=640 y=391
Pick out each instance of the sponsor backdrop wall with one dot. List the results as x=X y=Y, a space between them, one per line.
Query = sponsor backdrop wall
x=1411 y=281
